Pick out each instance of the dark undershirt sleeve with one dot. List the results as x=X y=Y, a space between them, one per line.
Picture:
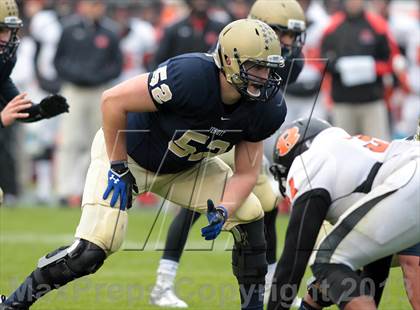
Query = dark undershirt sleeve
x=308 y=214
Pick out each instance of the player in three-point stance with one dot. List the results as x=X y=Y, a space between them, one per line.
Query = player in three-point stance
x=366 y=188
x=161 y=133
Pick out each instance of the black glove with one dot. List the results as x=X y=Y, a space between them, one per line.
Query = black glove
x=53 y=105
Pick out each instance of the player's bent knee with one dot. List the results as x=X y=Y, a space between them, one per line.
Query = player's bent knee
x=409 y=260
x=250 y=210
x=265 y=194
x=340 y=281
x=249 y=254
x=68 y=263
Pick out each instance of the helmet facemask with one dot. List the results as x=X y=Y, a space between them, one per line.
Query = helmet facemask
x=264 y=88
x=8 y=48
x=279 y=173
x=295 y=29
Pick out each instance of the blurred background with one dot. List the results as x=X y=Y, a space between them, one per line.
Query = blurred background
x=49 y=161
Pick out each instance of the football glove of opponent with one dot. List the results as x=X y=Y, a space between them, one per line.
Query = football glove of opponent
x=53 y=105
x=217 y=218
x=122 y=183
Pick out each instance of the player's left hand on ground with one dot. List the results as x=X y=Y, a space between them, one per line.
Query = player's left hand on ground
x=122 y=183
x=217 y=218
x=53 y=105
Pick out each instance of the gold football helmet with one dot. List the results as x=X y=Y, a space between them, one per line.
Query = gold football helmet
x=9 y=20
x=244 y=44
x=283 y=16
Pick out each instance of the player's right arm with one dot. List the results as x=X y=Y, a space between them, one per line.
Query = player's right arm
x=308 y=187
x=308 y=213
x=12 y=103
x=17 y=107
x=128 y=96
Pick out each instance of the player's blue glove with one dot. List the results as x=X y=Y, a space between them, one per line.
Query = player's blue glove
x=216 y=217
x=123 y=183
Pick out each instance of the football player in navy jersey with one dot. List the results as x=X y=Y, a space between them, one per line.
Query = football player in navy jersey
x=162 y=133
x=287 y=18
x=15 y=106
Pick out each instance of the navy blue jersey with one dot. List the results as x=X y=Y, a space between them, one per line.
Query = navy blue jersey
x=291 y=70
x=192 y=122
x=8 y=89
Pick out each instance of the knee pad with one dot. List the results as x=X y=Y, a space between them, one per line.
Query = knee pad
x=341 y=283
x=68 y=263
x=249 y=254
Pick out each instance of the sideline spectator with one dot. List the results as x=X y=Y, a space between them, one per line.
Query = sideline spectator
x=360 y=50
x=300 y=96
x=15 y=106
x=195 y=33
x=88 y=58
x=138 y=40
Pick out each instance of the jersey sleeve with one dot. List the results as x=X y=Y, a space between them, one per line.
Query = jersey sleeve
x=176 y=86
x=314 y=169
x=268 y=117
x=8 y=91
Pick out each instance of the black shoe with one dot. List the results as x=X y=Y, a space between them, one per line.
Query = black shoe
x=7 y=307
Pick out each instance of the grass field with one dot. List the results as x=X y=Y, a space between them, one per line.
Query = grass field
x=204 y=279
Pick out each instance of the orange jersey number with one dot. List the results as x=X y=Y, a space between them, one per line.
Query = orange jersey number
x=373 y=144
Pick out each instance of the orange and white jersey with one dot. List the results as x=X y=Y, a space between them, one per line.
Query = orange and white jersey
x=342 y=165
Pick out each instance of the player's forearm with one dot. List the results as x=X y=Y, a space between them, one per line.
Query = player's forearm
x=238 y=188
x=114 y=124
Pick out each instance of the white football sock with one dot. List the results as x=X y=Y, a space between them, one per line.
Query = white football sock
x=166 y=273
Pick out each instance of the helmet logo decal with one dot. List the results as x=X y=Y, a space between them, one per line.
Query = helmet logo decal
x=288 y=140
x=11 y=20
x=296 y=25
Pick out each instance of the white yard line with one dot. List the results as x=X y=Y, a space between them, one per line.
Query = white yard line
x=129 y=245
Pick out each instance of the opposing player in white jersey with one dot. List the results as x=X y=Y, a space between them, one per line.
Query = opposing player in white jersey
x=360 y=185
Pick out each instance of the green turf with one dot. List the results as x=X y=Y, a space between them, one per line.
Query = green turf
x=204 y=279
